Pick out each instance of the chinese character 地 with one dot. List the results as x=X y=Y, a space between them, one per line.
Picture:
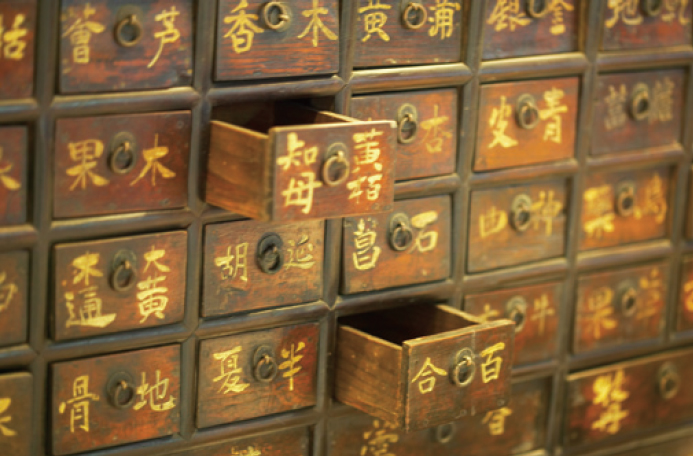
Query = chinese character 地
x=14 y=39
x=609 y=393
x=243 y=29
x=427 y=378
x=80 y=33
x=154 y=394
x=496 y=420
x=291 y=364
x=230 y=372
x=5 y=403
x=79 y=404
x=316 y=24
x=374 y=20
x=7 y=292
x=491 y=367
x=169 y=35
x=366 y=255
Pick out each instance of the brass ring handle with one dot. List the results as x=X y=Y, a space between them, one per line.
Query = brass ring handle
x=516 y=310
x=124 y=153
x=401 y=234
x=417 y=10
x=463 y=372
x=444 y=433
x=651 y=8
x=407 y=128
x=625 y=199
x=335 y=170
x=629 y=301
x=640 y=105
x=123 y=284
x=120 y=390
x=265 y=366
x=128 y=31
x=521 y=213
x=545 y=8
x=527 y=112
x=283 y=17
x=669 y=381
x=269 y=255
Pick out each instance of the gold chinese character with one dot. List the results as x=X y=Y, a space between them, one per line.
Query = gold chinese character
x=508 y=13
x=85 y=153
x=434 y=144
x=377 y=440
x=615 y=107
x=688 y=289
x=13 y=38
x=80 y=33
x=374 y=21
x=599 y=211
x=90 y=312
x=542 y=310
x=443 y=18
x=652 y=286
x=372 y=191
x=488 y=314
x=9 y=183
x=600 y=311
x=152 y=297
x=316 y=24
x=367 y=148
x=366 y=255
x=291 y=364
x=671 y=12
x=154 y=394
x=626 y=10
x=79 y=403
x=168 y=36
x=496 y=420
x=545 y=210
x=250 y=451
x=295 y=153
x=425 y=241
x=662 y=101
x=499 y=122
x=300 y=255
x=233 y=265
x=655 y=201
x=85 y=267
x=243 y=29
x=151 y=157
x=557 y=7
x=5 y=403
x=230 y=372
x=610 y=420
x=7 y=292
x=492 y=222
x=490 y=368
x=428 y=380
x=300 y=191
x=553 y=131
x=609 y=393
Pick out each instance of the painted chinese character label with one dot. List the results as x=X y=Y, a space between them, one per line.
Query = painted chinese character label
x=387 y=35
x=14 y=279
x=370 y=262
x=109 y=286
x=250 y=47
x=81 y=400
x=619 y=307
x=93 y=60
x=433 y=149
x=17 y=24
x=13 y=186
x=304 y=190
x=536 y=115
x=511 y=30
x=233 y=280
x=107 y=165
x=635 y=111
x=685 y=303
x=15 y=414
x=257 y=374
x=627 y=25
x=295 y=442
x=624 y=207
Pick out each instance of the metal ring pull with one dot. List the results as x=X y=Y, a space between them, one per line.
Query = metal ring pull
x=625 y=199
x=516 y=310
x=279 y=21
x=669 y=381
x=414 y=16
x=462 y=373
x=401 y=234
x=640 y=102
x=521 y=213
x=651 y=8
x=335 y=170
x=407 y=123
x=120 y=390
x=526 y=112
x=122 y=158
x=269 y=255
x=129 y=31
x=629 y=301
x=444 y=433
x=124 y=275
x=265 y=366
x=538 y=8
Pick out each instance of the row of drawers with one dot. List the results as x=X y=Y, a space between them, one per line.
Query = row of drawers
x=109 y=45
x=135 y=396
x=130 y=163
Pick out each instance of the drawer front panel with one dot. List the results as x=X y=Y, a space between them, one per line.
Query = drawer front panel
x=16 y=397
x=14 y=297
x=110 y=165
x=408 y=246
x=535 y=310
x=536 y=116
x=427 y=139
x=13 y=174
x=118 y=285
x=287 y=443
x=257 y=374
x=110 y=45
x=515 y=225
x=115 y=399
x=17 y=43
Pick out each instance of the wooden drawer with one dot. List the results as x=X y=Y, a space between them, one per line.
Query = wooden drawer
x=13 y=174
x=14 y=297
x=646 y=24
x=255 y=374
x=536 y=312
x=517 y=224
x=111 y=45
x=408 y=246
x=625 y=207
x=426 y=129
x=529 y=27
x=421 y=366
x=324 y=165
x=287 y=443
x=677 y=447
x=118 y=285
x=246 y=263
x=620 y=307
x=258 y=39
x=516 y=428
x=638 y=110
x=396 y=33
x=684 y=320
x=516 y=117
x=16 y=397
x=110 y=165
x=115 y=399
x=17 y=42
x=629 y=398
